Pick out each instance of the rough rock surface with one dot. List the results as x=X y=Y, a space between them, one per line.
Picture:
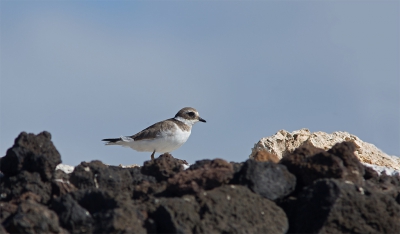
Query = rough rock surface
x=32 y=153
x=263 y=155
x=332 y=206
x=14 y=186
x=95 y=174
x=309 y=190
x=162 y=167
x=203 y=175
x=98 y=211
x=226 y=209
x=284 y=143
x=268 y=179
x=32 y=217
x=308 y=164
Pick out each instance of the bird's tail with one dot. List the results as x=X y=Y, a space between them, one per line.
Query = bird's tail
x=110 y=141
x=117 y=141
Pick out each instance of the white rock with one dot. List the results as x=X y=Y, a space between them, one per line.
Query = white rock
x=129 y=166
x=284 y=142
x=65 y=168
x=381 y=169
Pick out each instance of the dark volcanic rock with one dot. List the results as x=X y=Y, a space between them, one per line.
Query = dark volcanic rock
x=226 y=209
x=334 y=194
x=61 y=184
x=95 y=174
x=33 y=153
x=33 y=217
x=7 y=209
x=162 y=167
x=333 y=206
x=146 y=190
x=176 y=215
x=203 y=175
x=236 y=166
x=389 y=185
x=370 y=174
x=138 y=177
x=73 y=217
x=354 y=168
x=308 y=164
x=13 y=187
x=268 y=179
x=98 y=211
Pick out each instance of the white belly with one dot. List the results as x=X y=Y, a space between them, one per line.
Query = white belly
x=165 y=143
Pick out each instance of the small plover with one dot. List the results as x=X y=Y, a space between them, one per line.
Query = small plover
x=164 y=137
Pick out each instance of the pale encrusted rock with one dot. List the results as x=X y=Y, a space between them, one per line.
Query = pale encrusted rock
x=284 y=143
x=65 y=168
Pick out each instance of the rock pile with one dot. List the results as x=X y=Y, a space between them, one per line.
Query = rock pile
x=273 y=148
x=308 y=190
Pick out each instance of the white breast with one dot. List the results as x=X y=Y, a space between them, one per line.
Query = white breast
x=166 y=142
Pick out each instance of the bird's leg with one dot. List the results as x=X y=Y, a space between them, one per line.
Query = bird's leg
x=152 y=155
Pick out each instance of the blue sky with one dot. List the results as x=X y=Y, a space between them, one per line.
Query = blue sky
x=90 y=70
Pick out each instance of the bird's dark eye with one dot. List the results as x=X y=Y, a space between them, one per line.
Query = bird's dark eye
x=191 y=114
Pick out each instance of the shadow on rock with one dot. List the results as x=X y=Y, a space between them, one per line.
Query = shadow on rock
x=226 y=209
x=333 y=206
x=308 y=164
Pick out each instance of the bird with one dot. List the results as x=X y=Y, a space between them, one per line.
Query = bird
x=164 y=136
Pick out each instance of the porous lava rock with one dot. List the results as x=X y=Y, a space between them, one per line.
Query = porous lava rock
x=308 y=164
x=268 y=179
x=385 y=184
x=60 y=184
x=95 y=174
x=98 y=211
x=225 y=209
x=73 y=217
x=203 y=175
x=32 y=153
x=28 y=166
x=163 y=167
x=6 y=210
x=334 y=206
x=14 y=186
x=334 y=194
x=33 y=217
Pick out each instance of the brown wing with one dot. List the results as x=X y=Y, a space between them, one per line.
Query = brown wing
x=153 y=132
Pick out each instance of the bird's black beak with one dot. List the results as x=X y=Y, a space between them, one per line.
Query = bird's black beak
x=201 y=120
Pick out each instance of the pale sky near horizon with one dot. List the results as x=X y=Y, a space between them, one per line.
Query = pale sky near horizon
x=90 y=70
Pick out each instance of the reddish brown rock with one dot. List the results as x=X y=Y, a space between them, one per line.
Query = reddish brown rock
x=163 y=167
x=203 y=175
x=265 y=156
x=308 y=164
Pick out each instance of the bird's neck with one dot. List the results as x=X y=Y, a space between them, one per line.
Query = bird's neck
x=185 y=121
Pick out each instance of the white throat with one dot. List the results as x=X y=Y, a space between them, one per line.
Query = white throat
x=186 y=121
